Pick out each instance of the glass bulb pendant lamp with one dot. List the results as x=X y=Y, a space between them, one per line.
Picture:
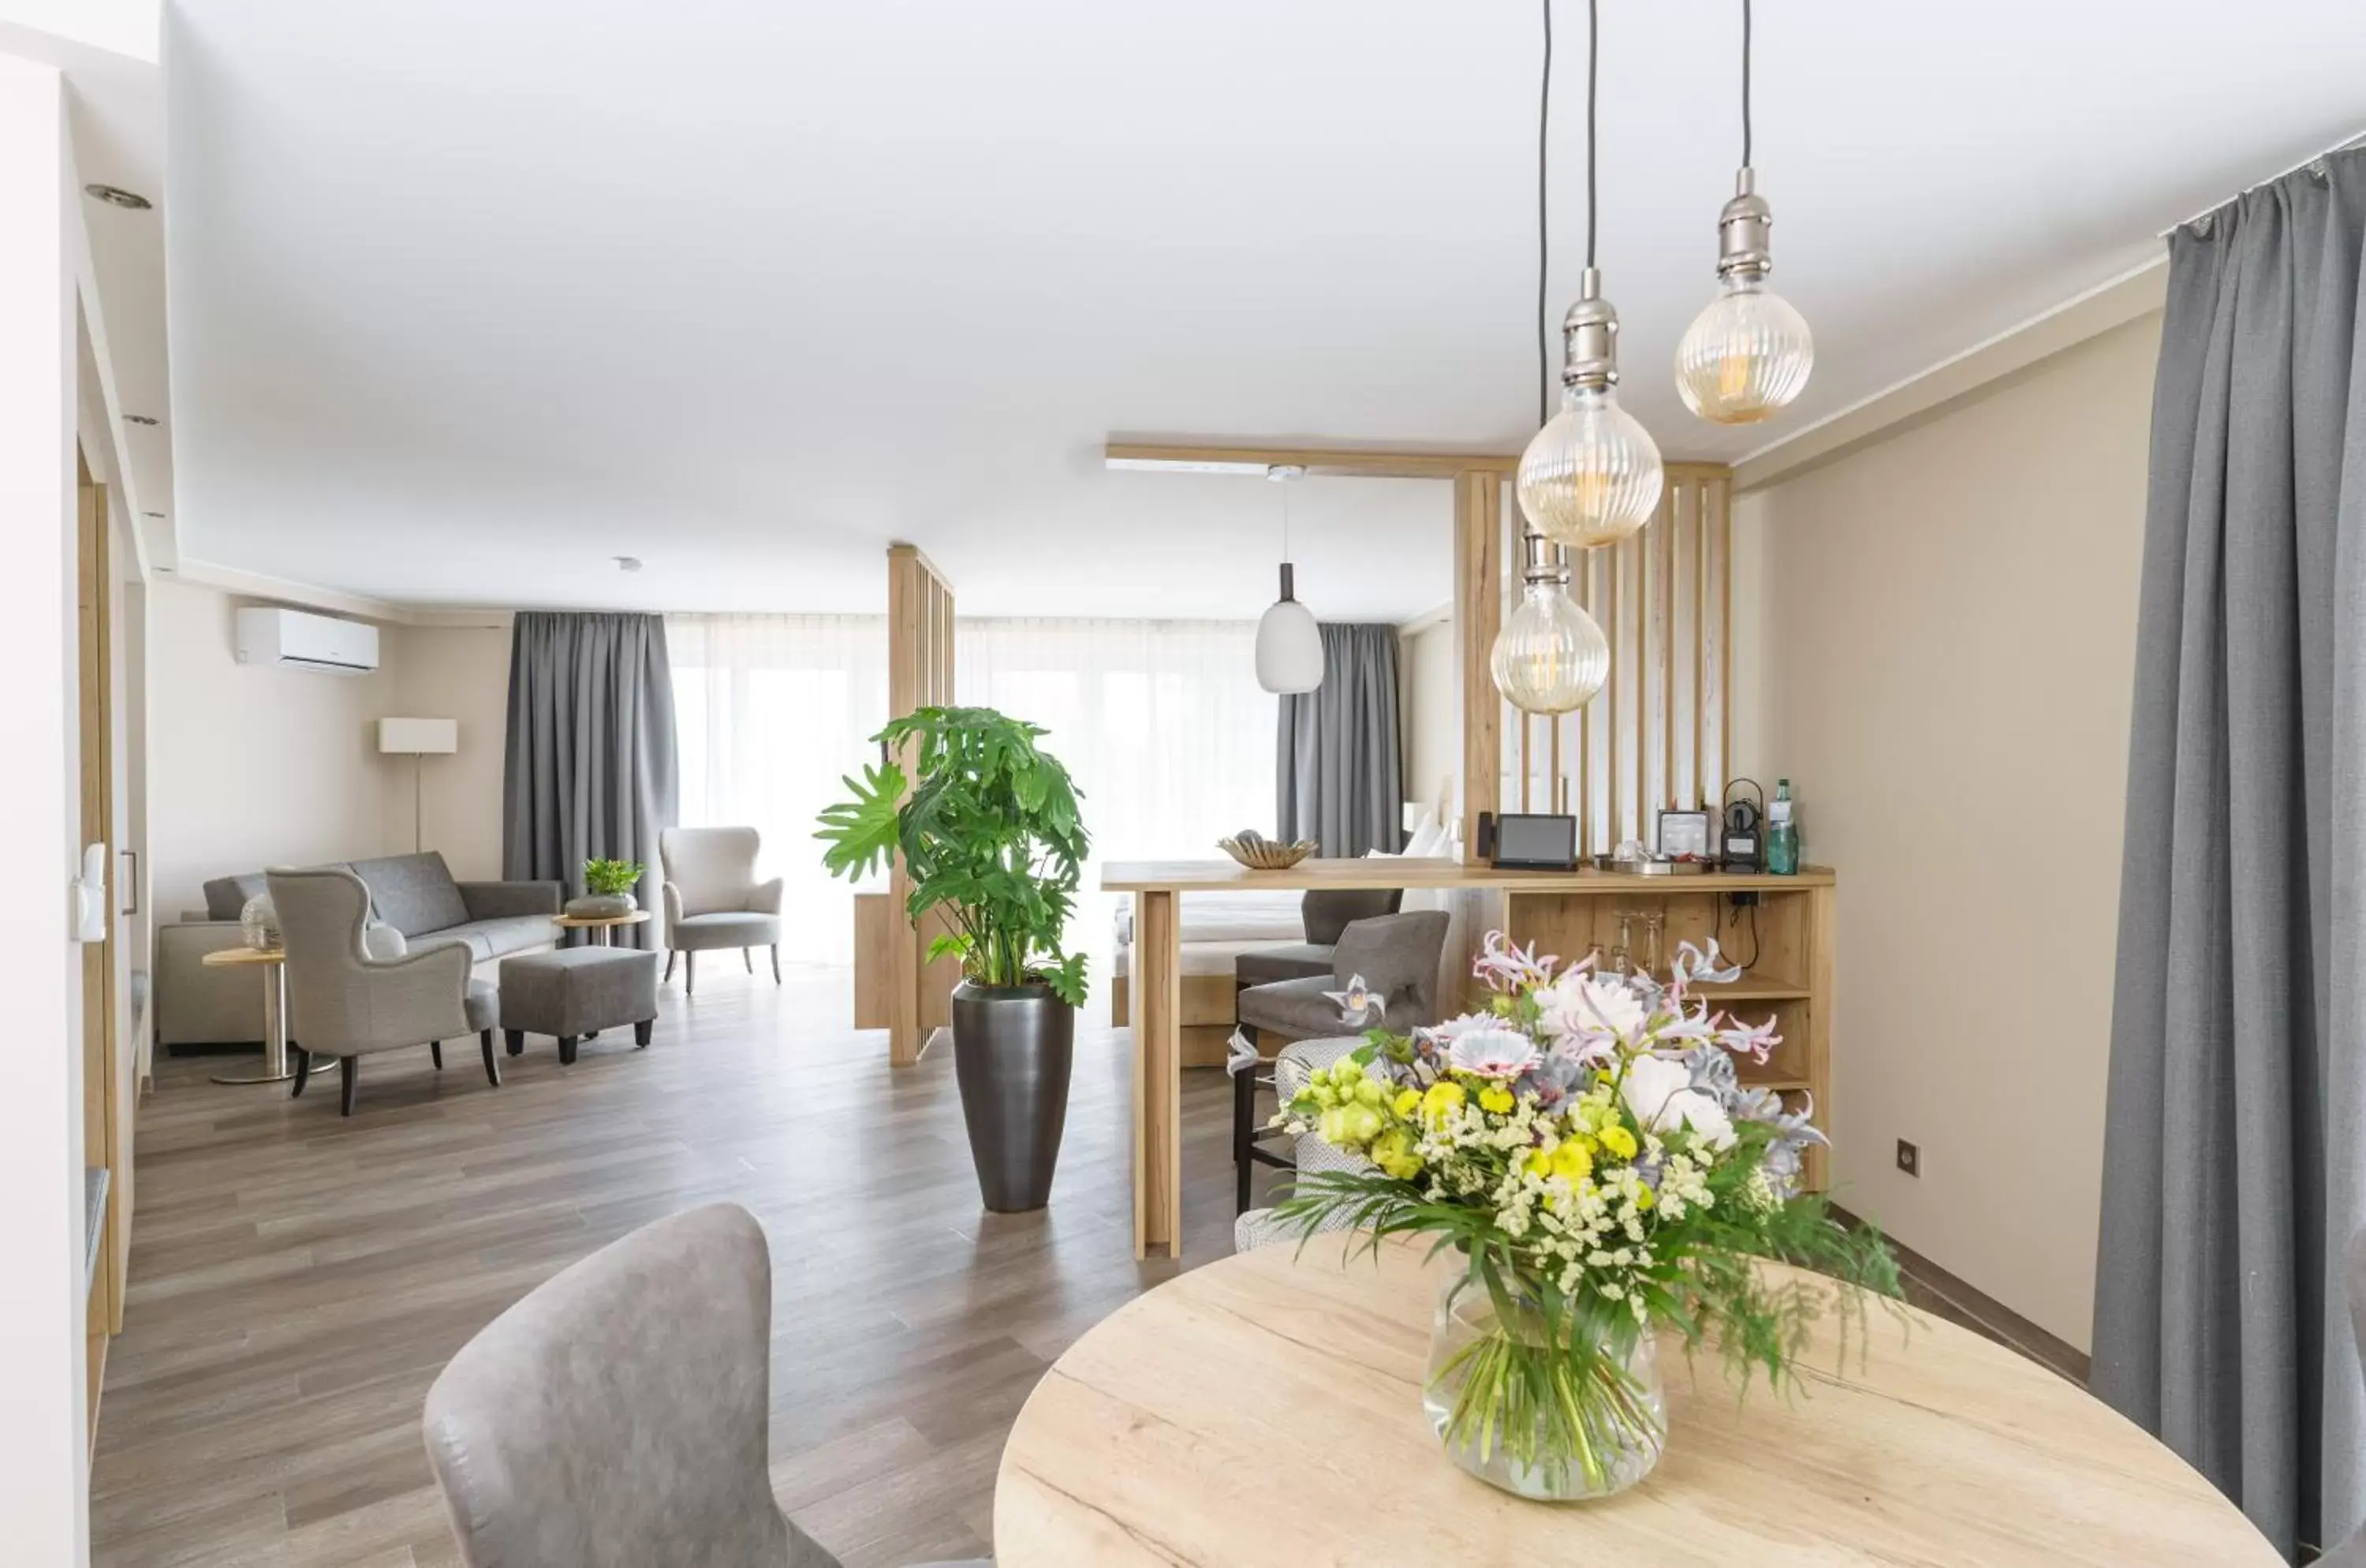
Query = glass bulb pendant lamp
x=1550 y=657
x=1592 y=476
x=1750 y=353
x=1289 y=643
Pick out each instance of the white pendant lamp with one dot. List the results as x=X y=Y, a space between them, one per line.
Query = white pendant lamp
x=1750 y=352
x=1550 y=657
x=1289 y=643
x=1592 y=476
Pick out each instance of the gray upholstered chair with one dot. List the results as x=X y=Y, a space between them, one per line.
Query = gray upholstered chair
x=713 y=899
x=618 y=1416
x=1326 y=913
x=346 y=1001
x=1292 y=1066
x=1398 y=958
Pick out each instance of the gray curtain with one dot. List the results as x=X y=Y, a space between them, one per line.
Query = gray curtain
x=1341 y=773
x=591 y=770
x=2232 y=1169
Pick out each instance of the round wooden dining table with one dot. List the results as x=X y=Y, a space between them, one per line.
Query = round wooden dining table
x=1266 y=1410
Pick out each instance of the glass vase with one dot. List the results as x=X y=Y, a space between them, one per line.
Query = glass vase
x=1602 y=1434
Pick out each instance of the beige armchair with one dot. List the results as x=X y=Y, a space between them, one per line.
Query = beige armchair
x=353 y=990
x=713 y=899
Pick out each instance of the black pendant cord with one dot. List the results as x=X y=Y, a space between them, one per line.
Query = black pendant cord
x=1593 y=92
x=1745 y=84
x=1544 y=231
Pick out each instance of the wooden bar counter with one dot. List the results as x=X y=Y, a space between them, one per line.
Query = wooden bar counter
x=1779 y=928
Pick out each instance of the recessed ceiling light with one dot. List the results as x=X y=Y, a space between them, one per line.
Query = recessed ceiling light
x=116 y=196
x=138 y=419
x=627 y=563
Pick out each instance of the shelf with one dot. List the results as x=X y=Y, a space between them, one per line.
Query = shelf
x=1752 y=987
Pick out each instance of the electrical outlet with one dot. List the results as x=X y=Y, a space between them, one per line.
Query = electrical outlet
x=1910 y=1159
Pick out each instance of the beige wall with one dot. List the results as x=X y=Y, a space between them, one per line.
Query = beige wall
x=1432 y=716
x=461 y=674
x=1939 y=651
x=252 y=766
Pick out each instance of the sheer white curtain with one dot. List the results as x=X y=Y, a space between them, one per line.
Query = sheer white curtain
x=1161 y=723
x=771 y=712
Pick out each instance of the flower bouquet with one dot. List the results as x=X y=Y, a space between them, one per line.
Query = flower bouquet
x=1586 y=1146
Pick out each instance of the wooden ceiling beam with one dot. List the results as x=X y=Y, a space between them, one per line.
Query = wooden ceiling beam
x=1333 y=462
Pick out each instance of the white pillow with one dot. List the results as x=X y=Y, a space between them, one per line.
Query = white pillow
x=382 y=944
x=1428 y=839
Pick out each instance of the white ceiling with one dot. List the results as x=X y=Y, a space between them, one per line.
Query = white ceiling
x=468 y=298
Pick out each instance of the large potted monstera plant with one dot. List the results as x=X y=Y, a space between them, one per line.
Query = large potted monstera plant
x=989 y=833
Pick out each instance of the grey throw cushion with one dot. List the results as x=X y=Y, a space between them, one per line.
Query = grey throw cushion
x=383 y=943
x=226 y=896
x=414 y=894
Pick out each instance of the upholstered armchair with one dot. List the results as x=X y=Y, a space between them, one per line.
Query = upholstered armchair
x=621 y=1412
x=713 y=899
x=1397 y=957
x=354 y=988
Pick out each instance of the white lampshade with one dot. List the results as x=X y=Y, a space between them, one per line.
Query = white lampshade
x=1288 y=648
x=418 y=736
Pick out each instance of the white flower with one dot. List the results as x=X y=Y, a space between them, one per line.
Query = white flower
x=1493 y=1052
x=1660 y=1094
x=1589 y=1006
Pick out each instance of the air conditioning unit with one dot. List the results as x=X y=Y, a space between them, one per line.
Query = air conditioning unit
x=295 y=640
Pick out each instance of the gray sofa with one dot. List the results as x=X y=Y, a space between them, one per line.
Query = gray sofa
x=416 y=895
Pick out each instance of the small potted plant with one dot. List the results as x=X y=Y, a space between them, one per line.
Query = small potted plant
x=607 y=889
x=989 y=833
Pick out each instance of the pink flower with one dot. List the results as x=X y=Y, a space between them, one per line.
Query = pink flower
x=1506 y=967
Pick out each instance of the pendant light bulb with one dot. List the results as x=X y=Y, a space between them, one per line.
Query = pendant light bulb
x=1592 y=476
x=1750 y=352
x=1289 y=643
x=1550 y=657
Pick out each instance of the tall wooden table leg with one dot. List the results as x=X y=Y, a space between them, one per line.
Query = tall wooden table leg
x=1156 y=1008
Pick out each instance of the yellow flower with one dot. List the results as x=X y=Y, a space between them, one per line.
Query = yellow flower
x=1408 y=1101
x=1571 y=1163
x=1538 y=1163
x=1392 y=1152
x=1644 y=1196
x=1497 y=1099
x=1619 y=1142
x=1442 y=1099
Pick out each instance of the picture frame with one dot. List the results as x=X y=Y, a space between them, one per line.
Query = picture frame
x=1684 y=834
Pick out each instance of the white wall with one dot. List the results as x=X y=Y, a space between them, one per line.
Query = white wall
x=44 y=1481
x=1939 y=651
x=252 y=766
x=1431 y=700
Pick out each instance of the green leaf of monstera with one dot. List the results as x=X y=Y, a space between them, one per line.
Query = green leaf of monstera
x=989 y=830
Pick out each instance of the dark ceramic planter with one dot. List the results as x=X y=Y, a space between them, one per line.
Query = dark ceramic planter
x=1013 y=1046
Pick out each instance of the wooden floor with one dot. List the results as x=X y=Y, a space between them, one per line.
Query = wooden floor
x=298 y=1280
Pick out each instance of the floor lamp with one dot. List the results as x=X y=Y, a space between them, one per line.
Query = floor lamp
x=417 y=738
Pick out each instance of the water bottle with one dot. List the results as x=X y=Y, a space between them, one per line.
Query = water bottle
x=1782 y=833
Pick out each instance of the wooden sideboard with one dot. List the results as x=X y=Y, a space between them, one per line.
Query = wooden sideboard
x=1783 y=938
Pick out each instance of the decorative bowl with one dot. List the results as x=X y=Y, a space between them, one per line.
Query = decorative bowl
x=1257 y=852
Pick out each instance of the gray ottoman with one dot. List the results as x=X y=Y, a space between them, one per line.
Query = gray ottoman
x=577 y=991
